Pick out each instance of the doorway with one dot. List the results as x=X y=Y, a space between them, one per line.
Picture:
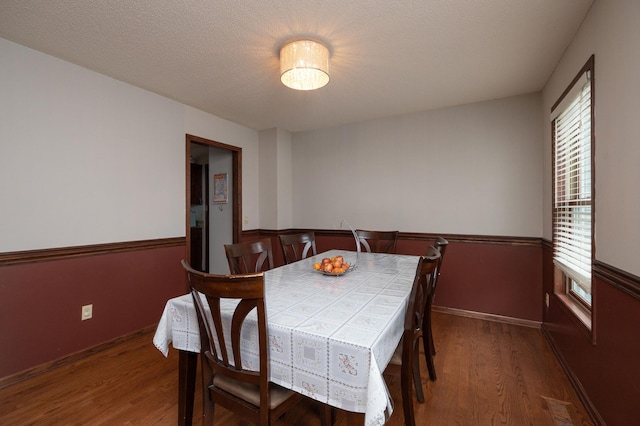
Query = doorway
x=211 y=220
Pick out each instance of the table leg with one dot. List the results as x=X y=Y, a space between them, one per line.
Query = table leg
x=186 y=386
x=354 y=418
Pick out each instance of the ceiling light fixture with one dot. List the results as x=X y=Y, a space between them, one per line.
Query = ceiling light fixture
x=304 y=64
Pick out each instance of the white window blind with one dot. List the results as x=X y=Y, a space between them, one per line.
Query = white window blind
x=572 y=209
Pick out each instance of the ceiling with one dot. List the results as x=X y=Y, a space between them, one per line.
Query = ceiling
x=387 y=57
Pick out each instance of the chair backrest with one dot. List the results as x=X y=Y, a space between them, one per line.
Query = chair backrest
x=421 y=291
x=249 y=257
x=441 y=245
x=298 y=246
x=377 y=241
x=220 y=340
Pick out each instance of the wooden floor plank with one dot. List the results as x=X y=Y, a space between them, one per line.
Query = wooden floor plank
x=488 y=373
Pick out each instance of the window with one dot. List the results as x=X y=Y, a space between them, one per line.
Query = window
x=573 y=142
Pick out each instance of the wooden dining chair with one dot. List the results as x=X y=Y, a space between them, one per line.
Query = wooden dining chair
x=406 y=359
x=249 y=257
x=441 y=245
x=226 y=380
x=298 y=246
x=377 y=241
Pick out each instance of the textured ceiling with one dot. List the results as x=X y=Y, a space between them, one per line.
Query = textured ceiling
x=388 y=57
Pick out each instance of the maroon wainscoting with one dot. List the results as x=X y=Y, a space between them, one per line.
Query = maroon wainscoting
x=40 y=302
x=495 y=278
x=41 y=293
x=606 y=373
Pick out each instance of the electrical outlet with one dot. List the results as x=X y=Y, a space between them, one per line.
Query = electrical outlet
x=546 y=299
x=246 y=220
x=87 y=312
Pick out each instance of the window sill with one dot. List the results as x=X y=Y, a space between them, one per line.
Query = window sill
x=582 y=317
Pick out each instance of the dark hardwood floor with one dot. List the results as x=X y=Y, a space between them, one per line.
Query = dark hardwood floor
x=488 y=373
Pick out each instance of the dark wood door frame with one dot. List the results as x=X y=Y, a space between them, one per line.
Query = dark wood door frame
x=236 y=186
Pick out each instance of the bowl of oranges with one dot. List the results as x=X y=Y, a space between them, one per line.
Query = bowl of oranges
x=335 y=266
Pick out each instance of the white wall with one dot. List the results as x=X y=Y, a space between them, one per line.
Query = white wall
x=472 y=169
x=85 y=159
x=285 y=179
x=611 y=32
x=275 y=179
x=268 y=165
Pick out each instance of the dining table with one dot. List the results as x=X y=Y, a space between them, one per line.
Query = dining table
x=330 y=336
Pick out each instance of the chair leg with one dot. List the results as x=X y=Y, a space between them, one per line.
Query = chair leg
x=208 y=408
x=416 y=375
x=430 y=366
x=325 y=412
x=407 y=401
x=426 y=338
x=431 y=344
x=429 y=348
x=207 y=402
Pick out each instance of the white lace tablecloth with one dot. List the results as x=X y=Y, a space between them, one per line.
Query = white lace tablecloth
x=330 y=337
